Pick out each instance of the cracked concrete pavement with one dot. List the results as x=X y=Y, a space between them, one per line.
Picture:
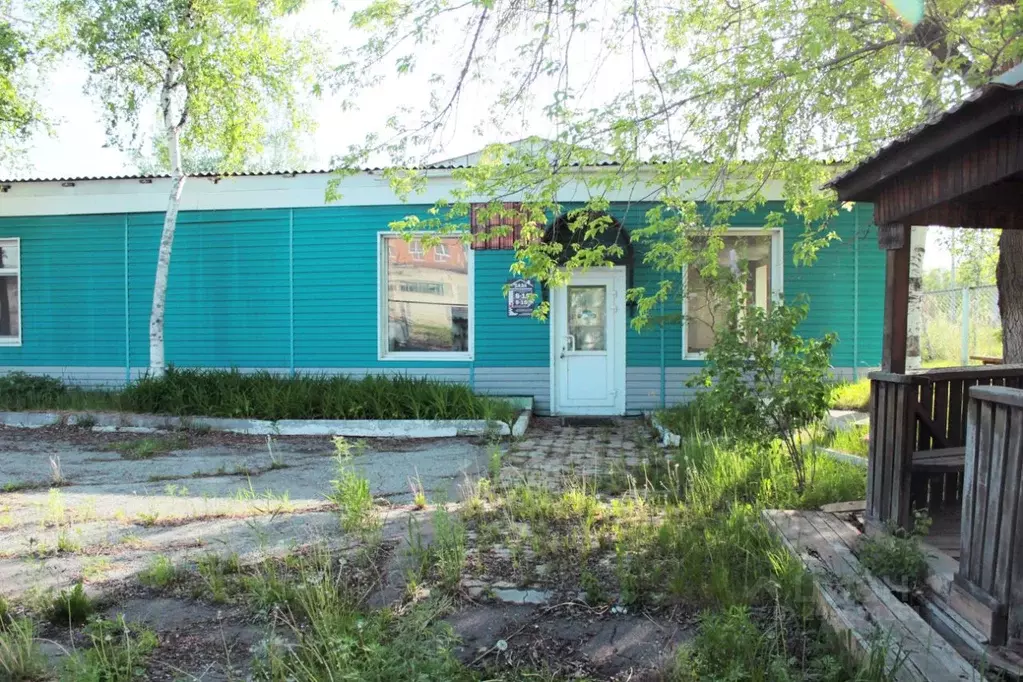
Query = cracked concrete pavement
x=211 y=492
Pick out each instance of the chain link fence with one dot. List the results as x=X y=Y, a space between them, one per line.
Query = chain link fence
x=960 y=324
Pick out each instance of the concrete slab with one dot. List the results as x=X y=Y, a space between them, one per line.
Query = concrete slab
x=214 y=493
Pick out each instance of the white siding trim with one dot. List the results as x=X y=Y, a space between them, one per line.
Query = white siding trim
x=302 y=190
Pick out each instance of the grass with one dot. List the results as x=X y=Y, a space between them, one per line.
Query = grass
x=852 y=396
x=21 y=486
x=20 y=655
x=351 y=492
x=680 y=534
x=691 y=418
x=686 y=532
x=896 y=554
x=262 y=395
x=159 y=573
x=147 y=448
x=71 y=607
x=117 y=653
x=852 y=440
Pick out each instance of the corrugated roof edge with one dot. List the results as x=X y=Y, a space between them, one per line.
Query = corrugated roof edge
x=1012 y=79
x=315 y=171
x=247 y=174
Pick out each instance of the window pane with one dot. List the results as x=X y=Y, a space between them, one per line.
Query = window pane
x=9 y=254
x=427 y=297
x=704 y=313
x=10 y=316
x=586 y=307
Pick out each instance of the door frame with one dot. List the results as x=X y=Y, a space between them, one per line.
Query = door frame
x=616 y=281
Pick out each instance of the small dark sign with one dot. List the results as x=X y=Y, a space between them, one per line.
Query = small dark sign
x=522 y=297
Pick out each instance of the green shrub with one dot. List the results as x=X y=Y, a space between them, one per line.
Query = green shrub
x=71 y=607
x=765 y=380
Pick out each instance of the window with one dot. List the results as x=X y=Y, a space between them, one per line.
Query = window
x=757 y=252
x=427 y=300
x=10 y=292
x=415 y=248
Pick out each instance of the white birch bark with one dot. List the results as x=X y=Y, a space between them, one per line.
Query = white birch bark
x=1010 y=294
x=157 y=316
x=914 y=315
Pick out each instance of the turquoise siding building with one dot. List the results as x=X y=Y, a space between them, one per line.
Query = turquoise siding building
x=264 y=276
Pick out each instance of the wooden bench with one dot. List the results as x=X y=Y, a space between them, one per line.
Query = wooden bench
x=940 y=460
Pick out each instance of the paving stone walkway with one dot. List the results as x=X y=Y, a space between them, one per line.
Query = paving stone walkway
x=552 y=450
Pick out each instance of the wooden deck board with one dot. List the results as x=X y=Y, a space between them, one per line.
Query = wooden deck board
x=823 y=543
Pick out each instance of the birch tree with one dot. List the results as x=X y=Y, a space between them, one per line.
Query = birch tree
x=728 y=97
x=209 y=70
x=914 y=315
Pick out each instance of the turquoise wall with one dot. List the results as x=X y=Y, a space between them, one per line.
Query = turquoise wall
x=836 y=294
x=282 y=288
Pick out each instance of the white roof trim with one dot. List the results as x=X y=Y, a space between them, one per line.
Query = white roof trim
x=302 y=190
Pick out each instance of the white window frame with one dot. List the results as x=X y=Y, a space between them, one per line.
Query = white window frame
x=12 y=341
x=777 y=278
x=437 y=253
x=385 y=355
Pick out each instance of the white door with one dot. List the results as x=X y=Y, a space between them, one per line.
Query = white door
x=588 y=343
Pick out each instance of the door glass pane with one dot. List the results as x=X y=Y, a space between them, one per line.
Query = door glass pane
x=586 y=308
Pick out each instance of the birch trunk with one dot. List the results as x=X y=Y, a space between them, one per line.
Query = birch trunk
x=157 y=316
x=914 y=314
x=1010 y=294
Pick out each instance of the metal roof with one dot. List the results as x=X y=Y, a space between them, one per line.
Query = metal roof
x=238 y=174
x=245 y=174
x=1010 y=80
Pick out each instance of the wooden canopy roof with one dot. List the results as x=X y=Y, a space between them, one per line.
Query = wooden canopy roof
x=963 y=168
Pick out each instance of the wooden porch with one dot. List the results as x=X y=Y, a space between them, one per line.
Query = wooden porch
x=948 y=443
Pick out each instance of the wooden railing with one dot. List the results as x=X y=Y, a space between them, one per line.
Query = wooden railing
x=991 y=545
x=915 y=413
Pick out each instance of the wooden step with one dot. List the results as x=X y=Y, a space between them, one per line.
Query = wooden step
x=861 y=610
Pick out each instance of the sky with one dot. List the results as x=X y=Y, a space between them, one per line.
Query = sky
x=76 y=145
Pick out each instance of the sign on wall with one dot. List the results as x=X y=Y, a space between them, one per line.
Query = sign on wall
x=522 y=298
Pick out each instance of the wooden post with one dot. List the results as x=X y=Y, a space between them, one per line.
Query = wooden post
x=896 y=297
